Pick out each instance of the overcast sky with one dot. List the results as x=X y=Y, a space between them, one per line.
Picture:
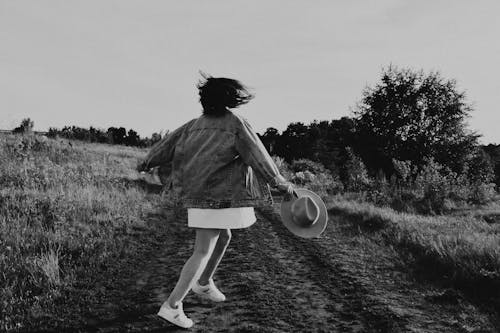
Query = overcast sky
x=135 y=63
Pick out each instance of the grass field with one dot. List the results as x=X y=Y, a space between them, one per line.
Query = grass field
x=461 y=251
x=65 y=210
x=69 y=209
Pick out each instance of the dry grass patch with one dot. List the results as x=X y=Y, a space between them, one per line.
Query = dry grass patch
x=66 y=210
x=463 y=251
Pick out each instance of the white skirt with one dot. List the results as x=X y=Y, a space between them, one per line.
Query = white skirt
x=224 y=218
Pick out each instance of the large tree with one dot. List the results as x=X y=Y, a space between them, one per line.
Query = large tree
x=412 y=115
x=320 y=141
x=270 y=140
x=295 y=142
x=132 y=138
x=117 y=135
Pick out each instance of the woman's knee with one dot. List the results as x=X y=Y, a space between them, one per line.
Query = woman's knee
x=202 y=252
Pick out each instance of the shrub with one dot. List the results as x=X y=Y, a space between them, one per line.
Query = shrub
x=283 y=167
x=311 y=175
x=25 y=127
x=403 y=170
x=434 y=189
x=356 y=173
x=303 y=164
x=481 y=193
x=433 y=185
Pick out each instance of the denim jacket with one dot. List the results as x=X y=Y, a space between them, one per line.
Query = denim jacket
x=217 y=162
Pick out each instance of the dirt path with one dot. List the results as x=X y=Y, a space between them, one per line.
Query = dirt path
x=276 y=282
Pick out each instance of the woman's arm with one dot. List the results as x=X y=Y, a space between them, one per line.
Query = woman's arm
x=254 y=154
x=163 y=151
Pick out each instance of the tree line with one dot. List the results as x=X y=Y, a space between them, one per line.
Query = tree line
x=113 y=135
x=411 y=116
x=408 y=116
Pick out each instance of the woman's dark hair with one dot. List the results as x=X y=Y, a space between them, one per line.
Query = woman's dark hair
x=217 y=94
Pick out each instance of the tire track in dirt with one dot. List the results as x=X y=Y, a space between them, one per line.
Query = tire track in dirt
x=366 y=281
x=275 y=282
x=342 y=300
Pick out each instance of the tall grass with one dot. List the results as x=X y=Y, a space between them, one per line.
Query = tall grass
x=65 y=208
x=461 y=251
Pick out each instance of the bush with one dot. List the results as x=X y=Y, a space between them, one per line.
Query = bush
x=434 y=189
x=356 y=173
x=481 y=193
x=25 y=127
x=302 y=165
x=311 y=175
x=283 y=167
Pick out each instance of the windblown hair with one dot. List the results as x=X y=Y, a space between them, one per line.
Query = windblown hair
x=217 y=94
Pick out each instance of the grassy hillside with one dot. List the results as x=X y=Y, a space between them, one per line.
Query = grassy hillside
x=66 y=210
x=458 y=251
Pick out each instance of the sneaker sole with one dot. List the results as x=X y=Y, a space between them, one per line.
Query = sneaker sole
x=159 y=314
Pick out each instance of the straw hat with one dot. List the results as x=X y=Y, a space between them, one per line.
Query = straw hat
x=305 y=214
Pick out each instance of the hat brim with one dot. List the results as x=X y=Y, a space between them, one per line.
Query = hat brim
x=305 y=232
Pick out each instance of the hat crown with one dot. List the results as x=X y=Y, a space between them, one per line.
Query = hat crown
x=305 y=212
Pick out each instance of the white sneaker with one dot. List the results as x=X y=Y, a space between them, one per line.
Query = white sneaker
x=209 y=291
x=175 y=316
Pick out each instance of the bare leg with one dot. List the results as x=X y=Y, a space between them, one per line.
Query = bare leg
x=203 y=247
x=216 y=257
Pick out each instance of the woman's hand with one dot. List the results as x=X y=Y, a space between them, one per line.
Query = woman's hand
x=284 y=186
x=288 y=190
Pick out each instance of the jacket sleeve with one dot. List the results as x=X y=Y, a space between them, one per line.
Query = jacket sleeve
x=163 y=151
x=254 y=154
